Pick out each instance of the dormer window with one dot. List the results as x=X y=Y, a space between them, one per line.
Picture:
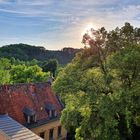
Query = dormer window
x=50 y=110
x=30 y=115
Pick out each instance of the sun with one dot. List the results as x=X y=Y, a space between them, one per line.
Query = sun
x=88 y=27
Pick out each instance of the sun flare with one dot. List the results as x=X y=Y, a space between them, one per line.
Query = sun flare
x=88 y=27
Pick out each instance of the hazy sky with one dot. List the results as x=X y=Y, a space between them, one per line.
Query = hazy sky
x=55 y=24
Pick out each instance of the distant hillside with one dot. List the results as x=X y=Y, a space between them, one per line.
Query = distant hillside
x=27 y=52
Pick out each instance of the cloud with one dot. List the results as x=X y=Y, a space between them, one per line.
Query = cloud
x=28 y=12
x=91 y=2
x=116 y=17
x=62 y=22
x=34 y=2
x=4 y=2
x=27 y=2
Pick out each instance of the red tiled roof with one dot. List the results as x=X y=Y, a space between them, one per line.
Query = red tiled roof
x=13 y=98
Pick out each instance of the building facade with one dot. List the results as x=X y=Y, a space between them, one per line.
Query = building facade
x=36 y=107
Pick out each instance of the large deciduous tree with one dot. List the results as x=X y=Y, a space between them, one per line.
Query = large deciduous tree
x=100 y=87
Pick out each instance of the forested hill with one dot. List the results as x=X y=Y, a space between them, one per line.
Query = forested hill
x=27 y=52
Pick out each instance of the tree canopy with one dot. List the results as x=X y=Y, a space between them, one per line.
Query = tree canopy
x=4 y=71
x=27 y=74
x=26 y=52
x=100 y=87
x=50 y=66
x=16 y=71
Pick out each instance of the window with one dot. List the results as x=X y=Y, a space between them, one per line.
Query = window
x=51 y=134
x=50 y=109
x=53 y=113
x=42 y=135
x=29 y=114
x=59 y=131
x=30 y=119
x=33 y=119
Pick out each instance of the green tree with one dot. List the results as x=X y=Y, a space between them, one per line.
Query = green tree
x=27 y=52
x=100 y=87
x=27 y=74
x=4 y=70
x=50 y=66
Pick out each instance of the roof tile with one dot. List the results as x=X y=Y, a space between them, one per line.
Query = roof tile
x=14 y=98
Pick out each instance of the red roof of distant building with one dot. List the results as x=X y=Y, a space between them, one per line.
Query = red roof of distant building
x=14 y=98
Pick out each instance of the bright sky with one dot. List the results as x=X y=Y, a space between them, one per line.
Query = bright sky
x=55 y=24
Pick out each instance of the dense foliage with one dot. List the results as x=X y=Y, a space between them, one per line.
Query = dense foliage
x=4 y=71
x=27 y=74
x=101 y=86
x=16 y=71
x=27 y=53
x=50 y=66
